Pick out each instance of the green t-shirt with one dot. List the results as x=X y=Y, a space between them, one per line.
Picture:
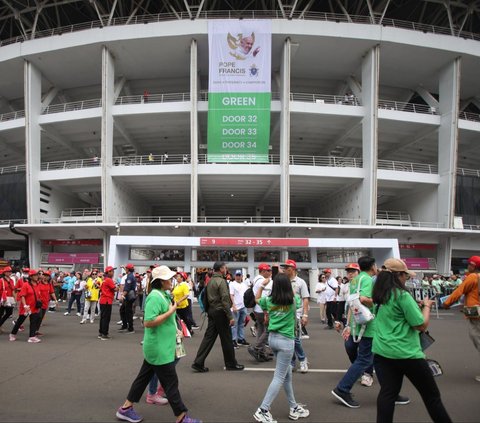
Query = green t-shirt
x=366 y=288
x=281 y=319
x=159 y=342
x=394 y=336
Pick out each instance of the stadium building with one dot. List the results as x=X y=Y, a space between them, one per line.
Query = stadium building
x=374 y=135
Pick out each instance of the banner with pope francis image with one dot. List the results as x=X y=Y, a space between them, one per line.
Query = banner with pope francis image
x=239 y=90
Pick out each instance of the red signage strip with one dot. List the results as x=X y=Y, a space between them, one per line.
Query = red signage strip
x=254 y=242
x=73 y=258
x=419 y=263
x=417 y=246
x=72 y=242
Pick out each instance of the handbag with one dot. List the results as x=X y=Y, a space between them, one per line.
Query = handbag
x=361 y=314
x=426 y=340
x=131 y=295
x=473 y=311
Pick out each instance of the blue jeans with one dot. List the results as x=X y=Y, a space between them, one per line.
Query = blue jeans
x=298 y=351
x=352 y=351
x=283 y=349
x=238 y=331
x=363 y=361
x=153 y=385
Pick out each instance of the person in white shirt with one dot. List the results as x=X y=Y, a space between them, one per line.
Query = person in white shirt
x=239 y=311
x=300 y=288
x=321 y=297
x=352 y=269
x=258 y=351
x=247 y=282
x=331 y=297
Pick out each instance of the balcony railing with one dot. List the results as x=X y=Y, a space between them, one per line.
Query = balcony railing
x=12 y=169
x=152 y=219
x=345 y=100
x=153 y=98
x=392 y=215
x=82 y=212
x=247 y=14
x=203 y=95
x=71 y=164
x=327 y=221
x=474 y=117
x=407 y=167
x=151 y=159
x=400 y=106
x=12 y=115
x=328 y=161
x=72 y=107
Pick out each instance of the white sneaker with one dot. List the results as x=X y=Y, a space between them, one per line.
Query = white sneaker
x=477 y=378
x=12 y=338
x=91 y=321
x=298 y=412
x=303 y=366
x=366 y=380
x=304 y=337
x=79 y=315
x=135 y=317
x=34 y=340
x=82 y=321
x=263 y=416
x=119 y=322
x=66 y=313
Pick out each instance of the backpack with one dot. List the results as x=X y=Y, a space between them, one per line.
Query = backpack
x=249 y=298
x=203 y=300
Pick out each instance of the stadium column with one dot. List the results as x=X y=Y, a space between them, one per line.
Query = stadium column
x=193 y=132
x=33 y=104
x=108 y=94
x=449 y=95
x=370 y=81
x=285 y=133
x=444 y=255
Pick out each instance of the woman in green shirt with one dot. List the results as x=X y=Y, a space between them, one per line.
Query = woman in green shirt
x=396 y=343
x=159 y=344
x=281 y=307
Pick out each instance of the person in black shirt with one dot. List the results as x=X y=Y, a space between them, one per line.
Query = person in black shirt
x=129 y=295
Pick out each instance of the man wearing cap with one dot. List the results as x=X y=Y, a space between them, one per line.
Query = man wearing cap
x=258 y=352
x=128 y=299
x=107 y=289
x=237 y=289
x=331 y=297
x=470 y=287
x=299 y=288
x=220 y=319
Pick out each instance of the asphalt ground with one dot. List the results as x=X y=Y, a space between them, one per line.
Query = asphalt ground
x=74 y=377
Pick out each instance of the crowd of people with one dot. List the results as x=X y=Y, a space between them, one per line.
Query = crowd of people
x=372 y=308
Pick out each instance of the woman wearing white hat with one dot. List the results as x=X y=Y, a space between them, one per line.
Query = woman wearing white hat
x=159 y=345
x=396 y=343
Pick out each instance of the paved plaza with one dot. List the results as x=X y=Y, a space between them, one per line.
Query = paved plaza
x=74 y=377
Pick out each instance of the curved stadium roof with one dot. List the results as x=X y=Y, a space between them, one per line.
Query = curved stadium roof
x=27 y=19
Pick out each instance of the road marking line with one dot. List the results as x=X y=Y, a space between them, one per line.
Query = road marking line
x=268 y=369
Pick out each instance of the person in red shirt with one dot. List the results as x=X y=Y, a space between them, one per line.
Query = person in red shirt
x=30 y=305
x=47 y=293
x=18 y=288
x=7 y=286
x=107 y=293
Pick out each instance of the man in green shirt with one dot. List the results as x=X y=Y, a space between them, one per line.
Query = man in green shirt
x=220 y=320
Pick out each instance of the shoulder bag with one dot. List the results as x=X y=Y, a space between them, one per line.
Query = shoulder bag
x=361 y=314
x=6 y=301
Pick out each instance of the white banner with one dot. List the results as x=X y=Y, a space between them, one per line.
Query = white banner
x=240 y=55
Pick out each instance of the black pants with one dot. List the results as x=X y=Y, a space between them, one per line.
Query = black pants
x=167 y=375
x=5 y=313
x=218 y=325
x=76 y=298
x=340 y=311
x=331 y=311
x=105 y=316
x=390 y=376
x=126 y=314
x=184 y=314
x=190 y=312
x=35 y=319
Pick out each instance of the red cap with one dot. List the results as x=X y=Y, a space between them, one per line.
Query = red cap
x=25 y=270
x=183 y=275
x=327 y=270
x=32 y=272
x=149 y=271
x=47 y=272
x=129 y=266
x=7 y=269
x=289 y=263
x=353 y=266
x=264 y=266
x=475 y=260
x=108 y=268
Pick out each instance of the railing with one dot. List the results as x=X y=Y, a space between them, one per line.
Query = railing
x=72 y=107
x=12 y=169
x=79 y=212
x=153 y=98
x=251 y=14
x=71 y=164
x=400 y=106
x=327 y=221
x=393 y=215
x=151 y=159
x=346 y=100
x=407 y=167
x=413 y=224
x=203 y=95
x=12 y=115
x=152 y=219
x=328 y=161
x=468 y=172
x=16 y=221
x=474 y=117
x=471 y=227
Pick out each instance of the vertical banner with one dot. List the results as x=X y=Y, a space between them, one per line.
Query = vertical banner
x=239 y=90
